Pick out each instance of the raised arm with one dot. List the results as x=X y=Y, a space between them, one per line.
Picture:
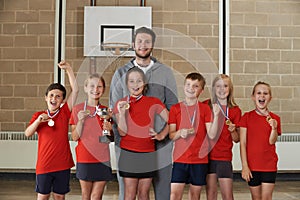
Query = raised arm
x=73 y=83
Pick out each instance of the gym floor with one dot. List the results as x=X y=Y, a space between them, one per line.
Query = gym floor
x=21 y=187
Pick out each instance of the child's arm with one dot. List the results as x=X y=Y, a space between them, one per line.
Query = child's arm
x=163 y=133
x=214 y=128
x=121 y=118
x=181 y=133
x=234 y=132
x=246 y=173
x=274 y=134
x=77 y=129
x=30 y=130
x=74 y=86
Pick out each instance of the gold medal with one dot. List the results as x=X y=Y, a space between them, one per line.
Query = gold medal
x=191 y=131
x=228 y=122
x=50 y=123
x=88 y=112
x=127 y=106
x=268 y=118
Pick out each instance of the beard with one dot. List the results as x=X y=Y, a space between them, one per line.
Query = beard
x=147 y=55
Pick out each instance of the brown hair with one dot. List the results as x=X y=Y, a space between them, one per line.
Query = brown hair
x=262 y=83
x=196 y=76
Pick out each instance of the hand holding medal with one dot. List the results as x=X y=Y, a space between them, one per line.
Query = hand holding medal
x=51 y=116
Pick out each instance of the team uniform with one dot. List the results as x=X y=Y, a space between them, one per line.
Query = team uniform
x=137 y=158
x=261 y=155
x=54 y=153
x=162 y=85
x=92 y=156
x=190 y=155
x=220 y=156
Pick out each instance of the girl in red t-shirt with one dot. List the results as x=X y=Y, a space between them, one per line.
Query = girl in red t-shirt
x=135 y=116
x=220 y=156
x=259 y=130
x=92 y=153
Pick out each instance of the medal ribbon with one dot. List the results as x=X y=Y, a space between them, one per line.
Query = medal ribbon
x=136 y=99
x=225 y=113
x=192 y=119
x=52 y=116
x=96 y=110
x=268 y=117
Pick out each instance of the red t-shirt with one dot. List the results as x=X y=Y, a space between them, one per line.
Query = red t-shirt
x=261 y=155
x=140 y=118
x=89 y=149
x=194 y=148
x=222 y=145
x=54 y=153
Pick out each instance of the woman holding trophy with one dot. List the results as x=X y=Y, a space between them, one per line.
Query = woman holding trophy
x=91 y=128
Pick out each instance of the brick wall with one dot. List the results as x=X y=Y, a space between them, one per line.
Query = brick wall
x=264 y=45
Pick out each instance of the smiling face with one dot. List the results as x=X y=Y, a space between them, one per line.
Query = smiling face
x=143 y=45
x=94 y=88
x=54 y=99
x=222 y=89
x=135 y=83
x=192 y=88
x=261 y=96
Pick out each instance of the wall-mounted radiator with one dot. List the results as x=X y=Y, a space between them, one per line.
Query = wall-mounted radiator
x=17 y=152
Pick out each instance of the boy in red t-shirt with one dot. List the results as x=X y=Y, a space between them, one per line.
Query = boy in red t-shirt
x=54 y=154
x=190 y=124
x=259 y=130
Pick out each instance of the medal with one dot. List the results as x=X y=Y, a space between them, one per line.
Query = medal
x=127 y=106
x=228 y=122
x=50 y=123
x=133 y=100
x=268 y=116
x=225 y=114
x=87 y=111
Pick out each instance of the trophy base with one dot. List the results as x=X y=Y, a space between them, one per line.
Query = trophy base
x=104 y=139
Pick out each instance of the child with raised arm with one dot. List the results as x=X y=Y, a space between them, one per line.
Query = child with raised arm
x=89 y=129
x=54 y=159
x=220 y=156
x=190 y=124
x=135 y=116
x=259 y=130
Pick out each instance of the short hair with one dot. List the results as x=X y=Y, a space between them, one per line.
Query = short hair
x=141 y=72
x=95 y=75
x=196 y=76
x=262 y=83
x=145 y=30
x=56 y=86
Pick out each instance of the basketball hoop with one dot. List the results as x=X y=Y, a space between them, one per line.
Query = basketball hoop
x=115 y=48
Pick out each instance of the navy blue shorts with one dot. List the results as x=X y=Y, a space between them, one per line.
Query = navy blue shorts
x=262 y=177
x=194 y=174
x=223 y=169
x=94 y=171
x=57 y=182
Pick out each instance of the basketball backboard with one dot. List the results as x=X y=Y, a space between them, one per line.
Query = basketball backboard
x=112 y=25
